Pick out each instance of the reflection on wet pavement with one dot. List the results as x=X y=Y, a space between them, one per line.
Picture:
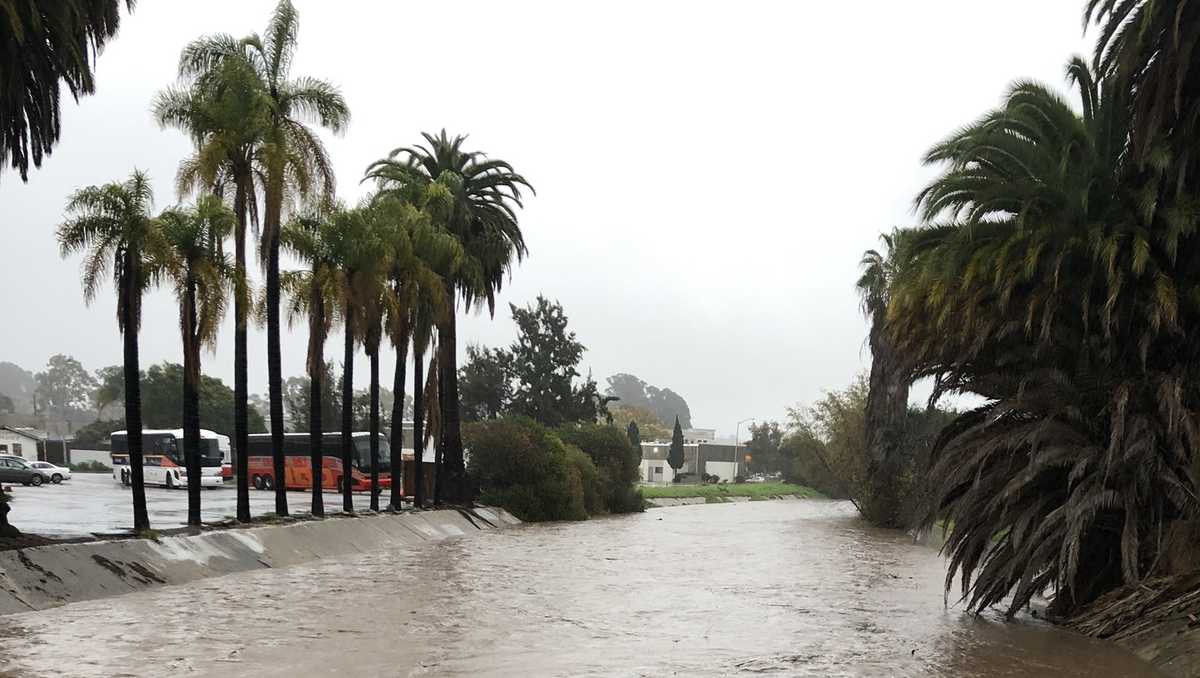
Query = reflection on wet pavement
x=779 y=588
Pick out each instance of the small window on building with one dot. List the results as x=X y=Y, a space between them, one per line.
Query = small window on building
x=3 y=448
x=17 y=449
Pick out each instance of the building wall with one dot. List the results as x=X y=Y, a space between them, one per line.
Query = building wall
x=9 y=439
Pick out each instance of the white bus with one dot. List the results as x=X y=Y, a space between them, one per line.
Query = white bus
x=163 y=458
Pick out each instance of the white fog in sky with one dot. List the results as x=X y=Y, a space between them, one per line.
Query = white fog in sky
x=708 y=174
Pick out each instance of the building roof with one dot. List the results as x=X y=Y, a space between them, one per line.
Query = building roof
x=27 y=431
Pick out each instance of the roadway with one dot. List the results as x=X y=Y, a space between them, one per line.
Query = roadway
x=94 y=503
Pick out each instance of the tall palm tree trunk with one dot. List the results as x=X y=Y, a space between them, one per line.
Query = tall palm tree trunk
x=418 y=426
x=275 y=376
x=133 y=393
x=316 y=385
x=439 y=454
x=450 y=448
x=241 y=311
x=374 y=427
x=348 y=414
x=191 y=403
x=884 y=420
x=397 y=433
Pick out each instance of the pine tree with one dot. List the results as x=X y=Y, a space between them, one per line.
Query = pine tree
x=635 y=438
x=675 y=456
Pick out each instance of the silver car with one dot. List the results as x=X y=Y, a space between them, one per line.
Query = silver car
x=52 y=473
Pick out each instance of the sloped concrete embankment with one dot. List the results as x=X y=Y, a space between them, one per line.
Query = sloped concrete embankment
x=663 y=502
x=48 y=576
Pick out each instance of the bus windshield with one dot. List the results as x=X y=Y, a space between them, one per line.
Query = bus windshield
x=362 y=454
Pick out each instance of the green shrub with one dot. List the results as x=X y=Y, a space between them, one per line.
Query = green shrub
x=90 y=466
x=521 y=466
x=616 y=461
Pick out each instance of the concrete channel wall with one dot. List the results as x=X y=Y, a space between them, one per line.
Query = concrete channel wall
x=48 y=576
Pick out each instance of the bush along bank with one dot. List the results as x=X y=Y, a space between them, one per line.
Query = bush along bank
x=540 y=474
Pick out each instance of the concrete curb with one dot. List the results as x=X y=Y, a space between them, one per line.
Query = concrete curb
x=49 y=576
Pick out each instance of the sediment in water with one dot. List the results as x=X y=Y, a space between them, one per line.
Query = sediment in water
x=48 y=576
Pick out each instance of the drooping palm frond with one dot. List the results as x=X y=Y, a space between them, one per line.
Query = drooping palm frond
x=44 y=43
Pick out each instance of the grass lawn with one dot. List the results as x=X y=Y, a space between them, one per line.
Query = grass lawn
x=715 y=492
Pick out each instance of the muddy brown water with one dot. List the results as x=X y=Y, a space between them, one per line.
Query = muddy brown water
x=787 y=588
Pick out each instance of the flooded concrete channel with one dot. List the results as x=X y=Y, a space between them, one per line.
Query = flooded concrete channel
x=785 y=588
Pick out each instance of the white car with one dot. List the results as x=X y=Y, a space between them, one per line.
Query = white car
x=55 y=474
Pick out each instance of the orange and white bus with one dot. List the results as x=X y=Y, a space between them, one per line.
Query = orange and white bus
x=163 y=461
x=298 y=461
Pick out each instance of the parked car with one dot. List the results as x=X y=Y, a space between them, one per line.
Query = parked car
x=17 y=470
x=55 y=474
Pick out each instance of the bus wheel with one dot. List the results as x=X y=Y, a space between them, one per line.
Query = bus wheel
x=170 y=481
x=257 y=482
x=267 y=483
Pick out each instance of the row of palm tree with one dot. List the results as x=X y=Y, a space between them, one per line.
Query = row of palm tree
x=440 y=230
x=1055 y=274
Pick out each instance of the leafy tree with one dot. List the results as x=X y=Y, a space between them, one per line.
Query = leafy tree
x=486 y=383
x=803 y=455
x=297 y=394
x=635 y=438
x=19 y=384
x=477 y=205
x=110 y=388
x=65 y=387
x=112 y=225
x=95 y=435
x=635 y=393
x=162 y=386
x=43 y=42
x=291 y=159
x=675 y=454
x=764 y=445
x=7 y=405
x=649 y=427
x=194 y=261
x=544 y=362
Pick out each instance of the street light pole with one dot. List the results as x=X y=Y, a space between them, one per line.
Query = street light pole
x=736 y=433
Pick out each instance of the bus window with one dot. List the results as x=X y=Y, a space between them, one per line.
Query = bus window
x=362 y=454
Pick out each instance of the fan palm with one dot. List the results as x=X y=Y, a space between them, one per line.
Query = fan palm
x=1051 y=280
x=477 y=205
x=221 y=110
x=113 y=227
x=43 y=42
x=195 y=261
x=291 y=161
x=313 y=293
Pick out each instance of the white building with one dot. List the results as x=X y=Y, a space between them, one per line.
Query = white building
x=21 y=442
x=699 y=458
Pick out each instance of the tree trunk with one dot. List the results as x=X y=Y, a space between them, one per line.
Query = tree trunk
x=418 y=426
x=396 y=442
x=884 y=419
x=348 y=414
x=316 y=378
x=374 y=427
x=275 y=359
x=450 y=447
x=439 y=454
x=133 y=392
x=241 y=312
x=191 y=403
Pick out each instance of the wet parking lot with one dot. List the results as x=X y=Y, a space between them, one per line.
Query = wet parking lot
x=93 y=503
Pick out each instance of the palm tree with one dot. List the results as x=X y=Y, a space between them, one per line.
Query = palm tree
x=41 y=43
x=196 y=263
x=314 y=239
x=291 y=160
x=420 y=255
x=887 y=399
x=113 y=226
x=221 y=110
x=476 y=202
x=1054 y=279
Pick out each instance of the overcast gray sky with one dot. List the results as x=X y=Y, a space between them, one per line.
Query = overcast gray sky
x=708 y=174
